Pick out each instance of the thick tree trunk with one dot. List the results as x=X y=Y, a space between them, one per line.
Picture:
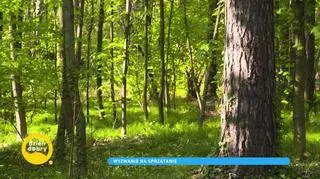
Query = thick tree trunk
x=248 y=119
x=17 y=88
x=310 y=55
x=299 y=76
x=125 y=69
x=162 y=80
x=146 y=59
x=99 y=50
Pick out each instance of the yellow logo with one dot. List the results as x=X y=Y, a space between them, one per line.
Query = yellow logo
x=37 y=148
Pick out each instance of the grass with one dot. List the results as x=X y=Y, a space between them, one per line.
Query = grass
x=178 y=137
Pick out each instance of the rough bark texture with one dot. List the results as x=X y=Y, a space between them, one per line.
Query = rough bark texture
x=248 y=119
x=299 y=56
x=99 y=50
x=162 y=80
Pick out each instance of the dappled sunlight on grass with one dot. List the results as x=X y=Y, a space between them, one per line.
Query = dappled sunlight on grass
x=179 y=136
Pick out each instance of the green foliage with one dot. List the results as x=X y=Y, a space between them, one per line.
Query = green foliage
x=39 y=63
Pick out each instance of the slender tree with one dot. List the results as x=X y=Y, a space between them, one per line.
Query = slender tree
x=55 y=99
x=162 y=80
x=193 y=91
x=208 y=90
x=167 y=91
x=125 y=69
x=248 y=119
x=146 y=58
x=299 y=57
x=112 y=81
x=1 y=24
x=310 y=55
x=99 y=50
x=17 y=89
x=79 y=119
x=89 y=39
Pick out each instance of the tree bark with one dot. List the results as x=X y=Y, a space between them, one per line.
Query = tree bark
x=19 y=107
x=90 y=29
x=71 y=110
x=125 y=69
x=210 y=89
x=114 y=106
x=99 y=50
x=299 y=57
x=193 y=91
x=248 y=119
x=80 y=120
x=146 y=59
x=17 y=89
x=310 y=55
x=162 y=79
x=1 y=24
x=167 y=87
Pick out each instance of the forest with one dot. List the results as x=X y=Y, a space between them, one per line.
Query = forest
x=160 y=78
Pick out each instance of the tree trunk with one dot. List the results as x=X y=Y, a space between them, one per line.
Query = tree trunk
x=71 y=111
x=167 y=87
x=125 y=69
x=174 y=83
x=209 y=89
x=19 y=107
x=55 y=71
x=17 y=88
x=299 y=55
x=80 y=120
x=162 y=80
x=310 y=55
x=248 y=119
x=1 y=24
x=193 y=91
x=99 y=50
x=146 y=59
x=114 y=106
x=90 y=29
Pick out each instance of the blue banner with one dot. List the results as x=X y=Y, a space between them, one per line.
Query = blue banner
x=170 y=161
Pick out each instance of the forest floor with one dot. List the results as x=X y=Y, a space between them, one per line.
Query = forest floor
x=178 y=137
